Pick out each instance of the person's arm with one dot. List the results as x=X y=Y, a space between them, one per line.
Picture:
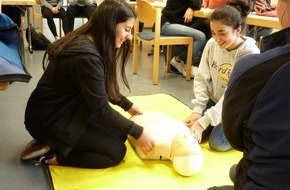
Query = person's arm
x=201 y=82
x=193 y=4
x=46 y=4
x=201 y=92
x=59 y=4
x=124 y=103
x=263 y=8
x=90 y=79
x=205 y=3
x=212 y=116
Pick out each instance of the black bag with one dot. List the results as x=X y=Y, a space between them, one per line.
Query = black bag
x=38 y=40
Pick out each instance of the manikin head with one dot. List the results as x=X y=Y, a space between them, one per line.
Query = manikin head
x=186 y=155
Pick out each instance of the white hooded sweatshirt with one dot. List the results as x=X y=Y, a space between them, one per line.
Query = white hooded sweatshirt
x=212 y=77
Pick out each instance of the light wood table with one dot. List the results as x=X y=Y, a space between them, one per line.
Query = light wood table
x=25 y=3
x=157 y=4
x=252 y=18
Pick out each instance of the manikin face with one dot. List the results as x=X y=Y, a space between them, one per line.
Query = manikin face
x=187 y=155
x=123 y=32
x=224 y=35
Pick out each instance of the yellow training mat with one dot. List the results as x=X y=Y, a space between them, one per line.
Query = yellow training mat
x=136 y=174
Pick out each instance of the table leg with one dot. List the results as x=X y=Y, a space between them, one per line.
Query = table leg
x=255 y=32
x=29 y=30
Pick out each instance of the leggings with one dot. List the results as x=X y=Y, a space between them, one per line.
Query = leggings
x=99 y=147
x=49 y=15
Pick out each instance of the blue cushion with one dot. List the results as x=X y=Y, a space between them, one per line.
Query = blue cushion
x=146 y=35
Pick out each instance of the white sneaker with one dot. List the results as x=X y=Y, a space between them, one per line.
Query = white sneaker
x=56 y=38
x=193 y=71
x=178 y=65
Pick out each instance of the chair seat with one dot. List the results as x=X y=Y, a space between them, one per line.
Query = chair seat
x=146 y=35
x=150 y=35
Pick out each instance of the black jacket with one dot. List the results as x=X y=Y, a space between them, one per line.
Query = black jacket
x=174 y=11
x=65 y=99
x=256 y=115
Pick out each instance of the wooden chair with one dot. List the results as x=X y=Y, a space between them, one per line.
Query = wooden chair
x=146 y=12
x=38 y=16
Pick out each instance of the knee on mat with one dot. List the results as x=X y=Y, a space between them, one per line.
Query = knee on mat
x=217 y=144
x=119 y=156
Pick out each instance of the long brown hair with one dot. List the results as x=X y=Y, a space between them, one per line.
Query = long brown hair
x=102 y=27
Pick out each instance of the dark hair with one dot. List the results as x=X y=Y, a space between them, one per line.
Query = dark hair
x=233 y=14
x=102 y=27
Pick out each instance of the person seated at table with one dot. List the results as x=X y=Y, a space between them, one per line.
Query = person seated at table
x=262 y=8
x=212 y=4
x=177 y=20
x=79 y=8
x=51 y=9
x=173 y=141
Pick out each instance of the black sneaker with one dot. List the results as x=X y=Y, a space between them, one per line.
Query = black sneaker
x=41 y=159
x=36 y=153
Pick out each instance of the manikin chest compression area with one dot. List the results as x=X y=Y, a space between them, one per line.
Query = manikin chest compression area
x=173 y=141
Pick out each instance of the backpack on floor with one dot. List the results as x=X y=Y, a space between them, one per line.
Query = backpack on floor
x=38 y=40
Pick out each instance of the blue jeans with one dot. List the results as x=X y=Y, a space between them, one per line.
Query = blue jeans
x=217 y=140
x=199 y=38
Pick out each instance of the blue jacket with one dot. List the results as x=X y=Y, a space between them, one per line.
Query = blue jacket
x=256 y=115
x=11 y=66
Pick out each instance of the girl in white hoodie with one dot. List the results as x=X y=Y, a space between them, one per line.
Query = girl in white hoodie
x=220 y=54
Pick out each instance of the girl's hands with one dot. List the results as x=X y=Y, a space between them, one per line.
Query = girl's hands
x=146 y=142
x=54 y=10
x=263 y=9
x=134 y=110
x=188 y=15
x=189 y=121
x=196 y=130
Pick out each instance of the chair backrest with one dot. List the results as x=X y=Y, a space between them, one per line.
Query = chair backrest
x=145 y=11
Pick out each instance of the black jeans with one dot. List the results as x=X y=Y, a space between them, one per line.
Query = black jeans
x=76 y=10
x=49 y=15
